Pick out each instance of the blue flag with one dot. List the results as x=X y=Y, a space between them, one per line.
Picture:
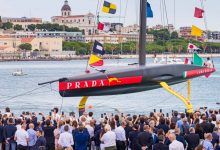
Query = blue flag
x=98 y=48
x=149 y=11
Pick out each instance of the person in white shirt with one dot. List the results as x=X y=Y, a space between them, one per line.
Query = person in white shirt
x=55 y=115
x=90 y=127
x=90 y=117
x=21 y=137
x=108 y=140
x=120 y=136
x=175 y=145
x=66 y=139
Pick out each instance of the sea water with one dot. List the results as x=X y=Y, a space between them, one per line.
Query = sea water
x=22 y=93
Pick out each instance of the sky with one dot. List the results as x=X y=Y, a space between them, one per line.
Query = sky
x=184 y=11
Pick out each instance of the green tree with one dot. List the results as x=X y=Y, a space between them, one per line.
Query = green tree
x=7 y=25
x=162 y=34
x=18 y=27
x=174 y=35
x=31 y=27
x=25 y=46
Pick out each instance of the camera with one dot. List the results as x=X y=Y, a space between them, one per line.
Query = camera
x=203 y=107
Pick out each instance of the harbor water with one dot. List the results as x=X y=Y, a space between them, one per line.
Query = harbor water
x=22 y=93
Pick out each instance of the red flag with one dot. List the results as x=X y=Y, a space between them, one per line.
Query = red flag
x=198 y=12
x=104 y=26
x=101 y=26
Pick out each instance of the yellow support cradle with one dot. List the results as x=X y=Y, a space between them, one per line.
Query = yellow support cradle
x=185 y=100
x=82 y=104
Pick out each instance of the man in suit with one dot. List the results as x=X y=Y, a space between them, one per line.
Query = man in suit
x=205 y=125
x=133 y=138
x=161 y=145
x=192 y=139
x=145 y=139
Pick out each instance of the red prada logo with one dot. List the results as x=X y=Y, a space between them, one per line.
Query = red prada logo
x=111 y=81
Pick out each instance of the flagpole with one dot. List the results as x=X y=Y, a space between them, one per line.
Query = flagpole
x=142 y=35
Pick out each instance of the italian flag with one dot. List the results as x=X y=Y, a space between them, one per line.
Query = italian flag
x=197 y=60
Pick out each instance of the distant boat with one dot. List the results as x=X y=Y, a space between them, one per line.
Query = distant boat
x=18 y=73
x=171 y=61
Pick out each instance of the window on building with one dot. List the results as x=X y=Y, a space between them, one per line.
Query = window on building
x=90 y=32
x=79 y=20
x=89 y=21
x=65 y=13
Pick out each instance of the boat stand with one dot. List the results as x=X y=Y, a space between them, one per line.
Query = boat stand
x=82 y=104
x=185 y=100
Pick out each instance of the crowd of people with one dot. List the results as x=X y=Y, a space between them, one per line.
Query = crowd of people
x=179 y=131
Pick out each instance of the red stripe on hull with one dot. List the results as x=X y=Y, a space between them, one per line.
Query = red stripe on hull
x=198 y=72
x=112 y=81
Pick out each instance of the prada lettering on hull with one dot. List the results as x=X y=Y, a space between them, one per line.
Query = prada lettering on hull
x=110 y=81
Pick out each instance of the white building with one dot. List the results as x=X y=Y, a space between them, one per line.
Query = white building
x=131 y=28
x=85 y=22
x=106 y=38
x=24 y=21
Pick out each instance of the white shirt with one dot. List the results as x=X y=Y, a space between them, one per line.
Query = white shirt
x=21 y=137
x=108 y=139
x=55 y=116
x=18 y=127
x=90 y=130
x=65 y=139
x=176 y=145
x=120 y=134
x=88 y=119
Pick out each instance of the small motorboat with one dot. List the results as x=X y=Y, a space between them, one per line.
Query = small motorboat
x=18 y=73
x=170 y=61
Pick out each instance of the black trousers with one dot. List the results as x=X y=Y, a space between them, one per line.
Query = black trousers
x=120 y=145
x=21 y=147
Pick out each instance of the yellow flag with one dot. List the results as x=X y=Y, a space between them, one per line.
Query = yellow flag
x=95 y=61
x=196 y=31
x=109 y=8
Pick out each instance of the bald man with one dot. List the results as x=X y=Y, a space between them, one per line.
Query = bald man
x=32 y=136
x=175 y=145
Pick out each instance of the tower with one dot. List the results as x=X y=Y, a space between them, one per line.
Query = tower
x=66 y=10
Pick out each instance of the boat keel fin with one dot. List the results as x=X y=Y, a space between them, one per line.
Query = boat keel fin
x=185 y=100
x=82 y=104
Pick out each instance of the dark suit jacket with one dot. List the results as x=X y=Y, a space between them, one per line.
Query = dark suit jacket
x=145 y=139
x=133 y=138
x=160 y=146
x=206 y=127
x=193 y=141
